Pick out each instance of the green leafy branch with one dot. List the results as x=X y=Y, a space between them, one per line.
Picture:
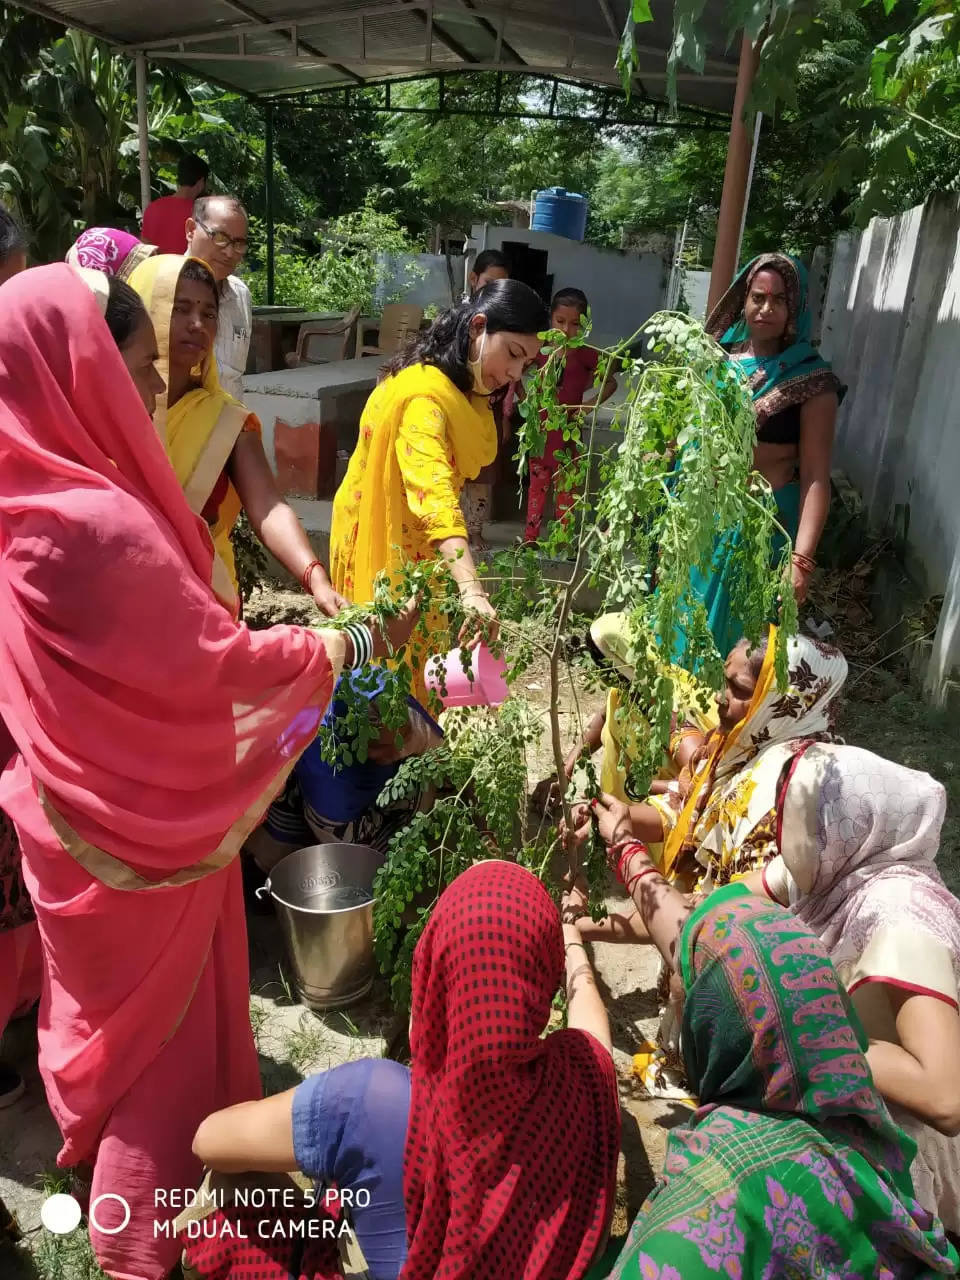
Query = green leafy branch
x=676 y=488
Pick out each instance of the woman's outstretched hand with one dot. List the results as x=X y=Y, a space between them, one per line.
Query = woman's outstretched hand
x=328 y=600
x=480 y=623
x=575 y=836
x=613 y=819
x=392 y=635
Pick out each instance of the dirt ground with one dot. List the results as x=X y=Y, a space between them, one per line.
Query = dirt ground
x=880 y=711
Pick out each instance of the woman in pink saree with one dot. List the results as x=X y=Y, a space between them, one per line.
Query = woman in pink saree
x=21 y=960
x=152 y=731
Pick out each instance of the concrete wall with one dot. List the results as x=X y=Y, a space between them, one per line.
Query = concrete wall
x=696 y=287
x=624 y=289
x=433 y=288
x=891 y=327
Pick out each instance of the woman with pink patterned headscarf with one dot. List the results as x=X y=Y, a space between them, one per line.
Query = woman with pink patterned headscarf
x=858 y=836
x=106 y=249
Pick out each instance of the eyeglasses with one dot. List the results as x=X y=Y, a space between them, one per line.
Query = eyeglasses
x=223 y=241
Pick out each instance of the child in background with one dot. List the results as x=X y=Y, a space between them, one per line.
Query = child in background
x=477 y=496
x=567 y=310
x=487 y=266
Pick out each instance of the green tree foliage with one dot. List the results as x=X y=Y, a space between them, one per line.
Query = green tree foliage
x=69 y=149
x=454 y=168
x=480 y=778
x=354 y=266
x=325 y=161
x=30 y=183
x=68 y=134
x=865 y=88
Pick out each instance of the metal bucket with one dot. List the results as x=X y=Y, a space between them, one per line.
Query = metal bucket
x=323 y=896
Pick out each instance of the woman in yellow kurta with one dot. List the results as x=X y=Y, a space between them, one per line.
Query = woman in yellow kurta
x=212 y=440
x=426 y=429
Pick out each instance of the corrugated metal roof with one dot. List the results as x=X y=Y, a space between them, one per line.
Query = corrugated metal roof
x=279 y=47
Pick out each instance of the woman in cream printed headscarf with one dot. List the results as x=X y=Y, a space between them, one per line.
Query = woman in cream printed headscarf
x=858 y=836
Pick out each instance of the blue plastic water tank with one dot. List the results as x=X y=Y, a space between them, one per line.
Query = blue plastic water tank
x=562 y=212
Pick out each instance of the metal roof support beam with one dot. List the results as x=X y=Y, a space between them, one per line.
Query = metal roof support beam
x=44 y=11
x=502 y=46
x=608 y=76
x=252 y=16
x=143 y=132
x=434 y=31
x=609 y=19
x=421 y=7
x=611 y=109
x=654 y=121
x=269 y=186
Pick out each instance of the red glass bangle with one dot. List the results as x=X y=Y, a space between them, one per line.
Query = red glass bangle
x=647 y=871
x=630 y=849
x=613 y=851
x=305 y=576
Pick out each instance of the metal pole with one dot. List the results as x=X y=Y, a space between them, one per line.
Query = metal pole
x=734 y=181
x=677 y=243
x=268 y=183
x=753 y=164
x=143 y=131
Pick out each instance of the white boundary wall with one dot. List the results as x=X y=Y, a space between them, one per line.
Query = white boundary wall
x=891 y=327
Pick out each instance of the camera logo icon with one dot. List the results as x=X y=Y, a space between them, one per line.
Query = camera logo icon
x=61 y=1214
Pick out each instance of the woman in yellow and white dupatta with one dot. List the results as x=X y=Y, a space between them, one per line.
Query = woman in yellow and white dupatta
x=724 y=818
x=718 y=821
x=212 y=440
x=715 y=821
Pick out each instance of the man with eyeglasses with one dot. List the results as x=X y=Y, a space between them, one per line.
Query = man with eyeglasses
x=217 y=234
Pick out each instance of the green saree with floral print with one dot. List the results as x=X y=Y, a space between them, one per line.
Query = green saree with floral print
x=791 y=1167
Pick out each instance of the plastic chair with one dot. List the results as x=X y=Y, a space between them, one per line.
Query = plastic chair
x=398 y=322
x=310 y=332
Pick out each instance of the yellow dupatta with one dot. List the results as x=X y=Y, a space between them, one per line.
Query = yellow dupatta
x=374 y=472
x=736 y=788
x=201 y=429
x=724 y=751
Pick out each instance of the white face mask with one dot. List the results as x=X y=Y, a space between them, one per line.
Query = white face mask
x=476 y=369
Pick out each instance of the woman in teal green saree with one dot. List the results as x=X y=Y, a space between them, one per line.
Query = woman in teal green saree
x=764 y=322
x=791 y=1167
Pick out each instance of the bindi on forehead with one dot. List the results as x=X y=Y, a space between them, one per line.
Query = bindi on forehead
x=767 y=284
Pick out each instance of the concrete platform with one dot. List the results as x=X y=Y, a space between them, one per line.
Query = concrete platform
x=308 y=415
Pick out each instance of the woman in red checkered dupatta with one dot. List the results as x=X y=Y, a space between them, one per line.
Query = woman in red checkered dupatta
x=513 y=1138
x=495 y=1155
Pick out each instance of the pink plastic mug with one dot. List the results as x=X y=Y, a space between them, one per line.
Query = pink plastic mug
x=486 y=688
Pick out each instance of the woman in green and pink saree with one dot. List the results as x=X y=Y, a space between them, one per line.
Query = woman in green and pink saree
x=791 y=1166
